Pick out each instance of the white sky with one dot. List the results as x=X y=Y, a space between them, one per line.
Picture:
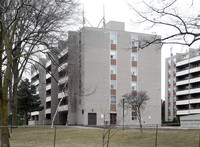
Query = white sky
x=118 y=10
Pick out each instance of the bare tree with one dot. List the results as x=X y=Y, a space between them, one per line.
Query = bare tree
x=136 y=101
x=181 y=27
x=26 y=27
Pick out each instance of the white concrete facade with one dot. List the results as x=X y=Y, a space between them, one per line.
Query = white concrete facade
x=185 y=98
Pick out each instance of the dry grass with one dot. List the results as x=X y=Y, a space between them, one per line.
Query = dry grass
x=76 y=137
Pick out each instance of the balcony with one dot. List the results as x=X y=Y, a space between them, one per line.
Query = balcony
x=183 y=72
x=188 y=111
x=182 y=92
x=48 y=75
x=48 y=98
x=34 y=113
x=63 y=108
x=182 y=112
x=186 y=61
x=48 y=63
x=47 y=111
x=63 y=80
x=63 y=52
x=194 y=90
x=34 y=73
x=61 y=95
x=48 y=87
x=63 y=66
x=188 y=91
x=182 y=102
x=182 y=82
x=194 y=69
x=183 y=62
x=194 y=59
x=35 y=83
x=192 y=80
x=194 y=100
x=194 y=111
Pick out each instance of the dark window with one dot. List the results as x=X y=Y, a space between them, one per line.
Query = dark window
x=63 y=59
x=92 y=118
x=48 y=105
x=113 y=119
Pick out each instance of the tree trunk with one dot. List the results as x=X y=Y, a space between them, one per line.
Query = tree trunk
x=4 y=129
x=26 y=118
x=1 y=53
x=140 y=121
x=15 y=84
x=4 y=102
x=15 y=97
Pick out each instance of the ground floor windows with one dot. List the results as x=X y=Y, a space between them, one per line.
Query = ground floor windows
x=134 y=115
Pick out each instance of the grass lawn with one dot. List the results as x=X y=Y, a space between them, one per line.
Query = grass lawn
x=87 y=137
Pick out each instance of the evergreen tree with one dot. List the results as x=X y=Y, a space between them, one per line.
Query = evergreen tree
x=27 y=100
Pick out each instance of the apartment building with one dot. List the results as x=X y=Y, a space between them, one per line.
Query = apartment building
x=111 y=65
x=104 y=64
x=51 y=81
x=182 y=85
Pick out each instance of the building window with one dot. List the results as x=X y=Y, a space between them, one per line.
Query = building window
x=174 y=80
x=169 y=89
x=113 y=69
x=113 y=38
x=174 y=89
x=134 y=115
x=169 y=81
x=169 y=62
x=113 y=54
x=134 y=56
x=169 y=108
x=174 y=60
x=113 y=84
x=133 y=85
x=113 y=99
x=169 y=72
x=169 y=99
x=134 y=41
x=134 y=71
x=174 y=108
x=174 y=98
x=174 y=70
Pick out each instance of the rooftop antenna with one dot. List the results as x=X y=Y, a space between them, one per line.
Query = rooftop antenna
x=171 y=51
x=84 y=19
x=103 y=19
x=83 y=16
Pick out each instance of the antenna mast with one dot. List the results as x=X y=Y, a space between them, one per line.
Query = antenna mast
x=84 y=19
x=83 y=16
x=103 y=19
x=171 y=51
